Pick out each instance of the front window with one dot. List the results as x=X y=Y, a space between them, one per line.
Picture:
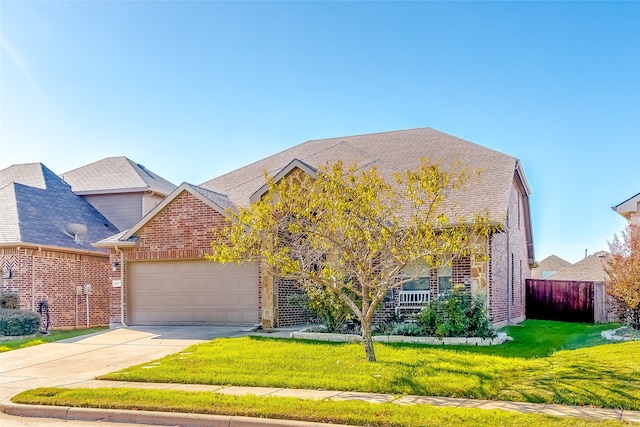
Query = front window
x=444 y=280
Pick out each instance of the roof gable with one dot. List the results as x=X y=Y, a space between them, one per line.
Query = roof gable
x=116 y=175
x=395 y=151
x=216 y=201
x=629 y=206
x=295 y=164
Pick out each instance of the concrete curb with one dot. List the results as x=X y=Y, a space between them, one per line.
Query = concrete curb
x=150 y=417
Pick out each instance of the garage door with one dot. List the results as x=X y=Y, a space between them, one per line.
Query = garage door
x=193 y=293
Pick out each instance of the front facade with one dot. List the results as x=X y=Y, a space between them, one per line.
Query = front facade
x=153 y=268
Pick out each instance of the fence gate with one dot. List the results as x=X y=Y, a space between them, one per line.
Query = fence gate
x=564 y=300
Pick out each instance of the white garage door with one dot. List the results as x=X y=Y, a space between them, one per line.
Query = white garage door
x=193 y=293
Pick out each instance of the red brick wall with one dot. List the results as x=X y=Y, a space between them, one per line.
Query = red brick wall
x=182 y=230
x=53 y=275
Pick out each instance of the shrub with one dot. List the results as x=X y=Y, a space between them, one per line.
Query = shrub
x=332 y=312
x=458 y=314
x=8 y=301
x=14 y=322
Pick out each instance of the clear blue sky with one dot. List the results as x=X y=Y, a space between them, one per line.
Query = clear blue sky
x=195 y=89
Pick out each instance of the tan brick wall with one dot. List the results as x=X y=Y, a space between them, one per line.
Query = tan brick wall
x=509 y=265
x=53 y=275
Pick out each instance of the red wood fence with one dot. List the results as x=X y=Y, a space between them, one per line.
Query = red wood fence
x=564 y=300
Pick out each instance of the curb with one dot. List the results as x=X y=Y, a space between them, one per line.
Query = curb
x=147 y=417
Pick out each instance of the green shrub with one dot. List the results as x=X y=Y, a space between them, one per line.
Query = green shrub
x=15 y=322
x=332 y=312
x=458 y=314
x=8 y=301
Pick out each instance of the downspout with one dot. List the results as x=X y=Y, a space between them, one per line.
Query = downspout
x=508 y=276
x=118 y=250
x=33 y=278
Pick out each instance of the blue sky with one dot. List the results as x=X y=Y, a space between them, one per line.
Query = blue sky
x=195 y=89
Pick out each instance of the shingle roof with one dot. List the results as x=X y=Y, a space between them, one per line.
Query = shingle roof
x=589 y=269
x=116 y=174
x=551 y=263
x=37 y=212
x=394 y=151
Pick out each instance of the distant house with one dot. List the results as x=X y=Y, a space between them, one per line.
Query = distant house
x=590 y=269
x=161 y=261
x=548 y=266
x=121 y=189
x=630 y=209
x=46 y=233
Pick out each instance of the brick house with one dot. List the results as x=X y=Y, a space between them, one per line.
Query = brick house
x=160 y=275
x=46 y=233
x=630 y=209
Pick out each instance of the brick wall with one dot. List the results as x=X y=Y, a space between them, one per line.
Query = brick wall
x=290 y=314
x=509 y=265
x=53 y=276
x=180 y=231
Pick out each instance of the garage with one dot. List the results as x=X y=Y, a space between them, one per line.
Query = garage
x=192 y=292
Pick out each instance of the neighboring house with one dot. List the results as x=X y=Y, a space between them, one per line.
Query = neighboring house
x=46 y=233
x=122 y=190
x=548 y=266
x=630 y=209
x=166 y=280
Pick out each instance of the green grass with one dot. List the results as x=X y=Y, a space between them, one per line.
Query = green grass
x=322 y=411
x=42 y=339
x=527 y=369
x=556 y=362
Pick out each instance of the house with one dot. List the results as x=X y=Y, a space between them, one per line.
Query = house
x=630 y=209
x=548 y=266
x=46 y=233
x=163 y=278
x=122 y=190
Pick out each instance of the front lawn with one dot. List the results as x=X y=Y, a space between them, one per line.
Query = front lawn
x=43 y=339
x=583 y=372
x=526 y=369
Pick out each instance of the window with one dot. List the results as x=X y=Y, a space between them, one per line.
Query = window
x=444 y=280
x=419 y=284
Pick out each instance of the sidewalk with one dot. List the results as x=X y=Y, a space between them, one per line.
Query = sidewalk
x=159 y=418
x=75 y=364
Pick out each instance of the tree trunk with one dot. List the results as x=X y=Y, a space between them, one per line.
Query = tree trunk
x=367 y=341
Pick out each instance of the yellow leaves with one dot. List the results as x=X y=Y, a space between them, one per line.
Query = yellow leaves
x=623 y=267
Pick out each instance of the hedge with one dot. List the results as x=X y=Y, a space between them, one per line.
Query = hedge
x=18 y=322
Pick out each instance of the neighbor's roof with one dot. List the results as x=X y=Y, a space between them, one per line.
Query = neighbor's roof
x=116 y=174
x=36 y=205
x=390 y=152
x=550 y=263
x=590 y=269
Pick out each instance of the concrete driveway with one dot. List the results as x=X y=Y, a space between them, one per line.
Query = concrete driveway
x=80 y=359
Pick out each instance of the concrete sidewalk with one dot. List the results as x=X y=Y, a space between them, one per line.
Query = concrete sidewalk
x=75 y=365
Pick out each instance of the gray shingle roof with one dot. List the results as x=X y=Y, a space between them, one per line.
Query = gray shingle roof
x=38 y=214
x=590 y=269
x=116 y=174
x=395 y=151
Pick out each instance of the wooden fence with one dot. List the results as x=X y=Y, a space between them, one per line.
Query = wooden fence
x=565 y=300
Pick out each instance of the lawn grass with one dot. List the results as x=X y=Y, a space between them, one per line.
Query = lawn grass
x=322 y=411
x=526 y=369
x=43 y=339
